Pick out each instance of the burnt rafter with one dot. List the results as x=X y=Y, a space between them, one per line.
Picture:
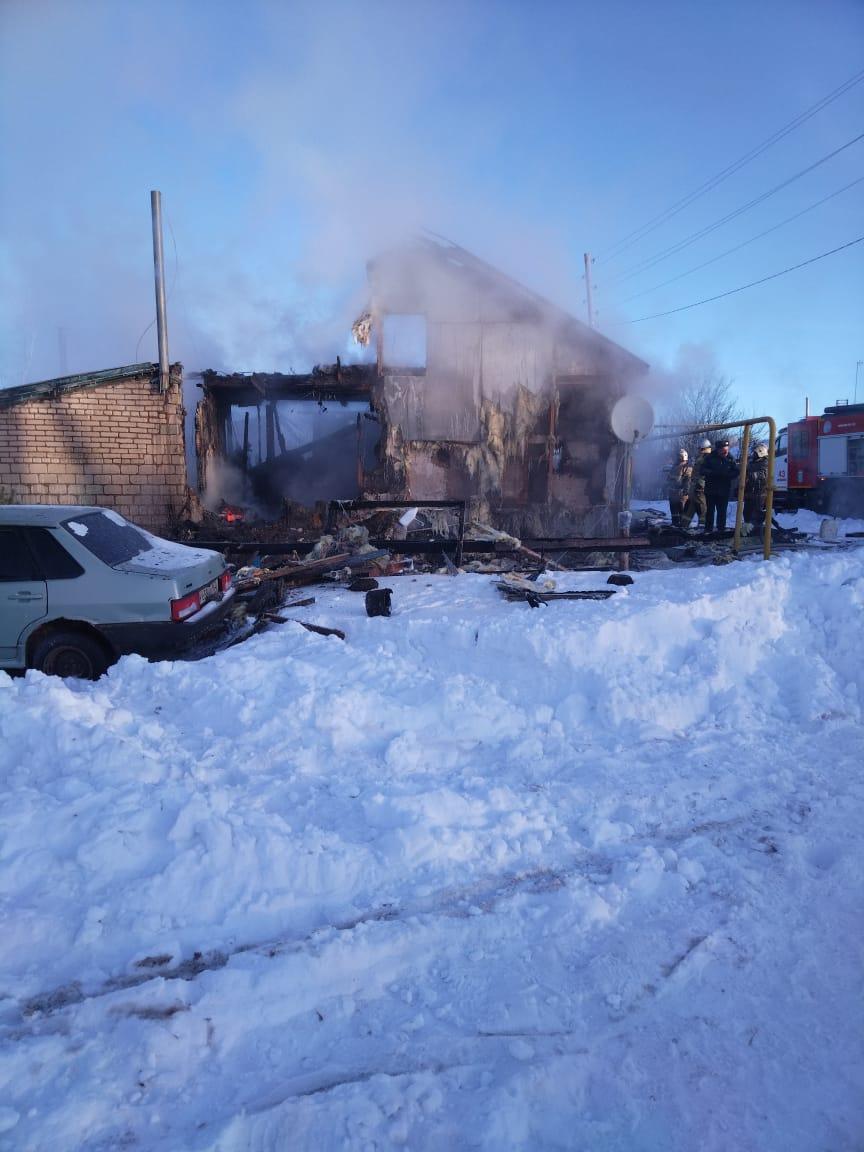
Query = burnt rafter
x=335 y=383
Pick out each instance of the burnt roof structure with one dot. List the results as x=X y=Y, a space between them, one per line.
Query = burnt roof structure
x=326 y=382
x=401 y=276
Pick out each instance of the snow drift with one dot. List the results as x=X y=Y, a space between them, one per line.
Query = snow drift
x=483 y=876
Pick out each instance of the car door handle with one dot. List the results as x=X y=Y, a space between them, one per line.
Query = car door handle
x=26 y=596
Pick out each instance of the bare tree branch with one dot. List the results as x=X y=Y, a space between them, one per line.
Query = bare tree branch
x=707 y=399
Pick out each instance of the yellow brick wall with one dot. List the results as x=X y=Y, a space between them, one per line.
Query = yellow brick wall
x=118 y=445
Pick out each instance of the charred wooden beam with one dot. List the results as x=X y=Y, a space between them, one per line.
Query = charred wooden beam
x=313 y=569
x=589 y=544
x=538 y=596
x=363 y=505
x=431 y=547
x=359 y=452
x=210 y=436
x=275 y=618
x=270 y=414
x=283 y=448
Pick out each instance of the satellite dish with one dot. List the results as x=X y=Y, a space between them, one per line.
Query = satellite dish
x=632 y=419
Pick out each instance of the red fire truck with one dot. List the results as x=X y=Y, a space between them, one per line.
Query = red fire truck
x=820 y=462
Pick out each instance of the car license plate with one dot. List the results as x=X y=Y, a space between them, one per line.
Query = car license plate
x=209 y=592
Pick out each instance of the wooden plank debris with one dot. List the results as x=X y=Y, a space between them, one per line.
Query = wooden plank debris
x=276 y=618
x=312 y=570
x=536 y=596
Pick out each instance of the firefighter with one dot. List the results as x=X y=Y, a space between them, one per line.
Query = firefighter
x=696 y=496
x=756 y=486
x=720 y=472
x=678 y=486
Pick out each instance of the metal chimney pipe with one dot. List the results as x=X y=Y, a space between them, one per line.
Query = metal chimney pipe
x=806 y=406
x=159 y=269
x=589 y=292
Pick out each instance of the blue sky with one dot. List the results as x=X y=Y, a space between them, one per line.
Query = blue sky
x=292 y=141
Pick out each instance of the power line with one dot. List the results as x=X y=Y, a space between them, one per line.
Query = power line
x=671 y=251
x=744 y=243
x=680 y=205
x=752 y=284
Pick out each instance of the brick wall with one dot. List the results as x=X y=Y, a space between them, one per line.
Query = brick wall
x=118 y=444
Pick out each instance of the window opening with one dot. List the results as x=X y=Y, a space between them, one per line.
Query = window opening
x=404 y=339
x=856 y=456
x=799 y=442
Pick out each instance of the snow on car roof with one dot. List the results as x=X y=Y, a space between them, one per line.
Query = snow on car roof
x=162 y=554
x=168 y=554
x=44 y=515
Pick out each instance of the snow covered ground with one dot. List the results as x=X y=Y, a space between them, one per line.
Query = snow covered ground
x=585 y=876
x=810 y=522
x=802 y=520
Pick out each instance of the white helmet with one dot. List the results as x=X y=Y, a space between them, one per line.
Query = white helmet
x=705 y=446
x=761 y=450
x=683 y=455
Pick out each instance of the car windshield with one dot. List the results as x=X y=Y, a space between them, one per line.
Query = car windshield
x=108 y=536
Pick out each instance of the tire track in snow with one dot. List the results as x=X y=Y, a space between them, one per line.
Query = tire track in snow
x=483 y=897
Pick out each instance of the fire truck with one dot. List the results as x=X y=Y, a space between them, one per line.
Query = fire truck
x=819 y=462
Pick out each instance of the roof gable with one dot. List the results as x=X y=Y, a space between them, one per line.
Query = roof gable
x=452 y=261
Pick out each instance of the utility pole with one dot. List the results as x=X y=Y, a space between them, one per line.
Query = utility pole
x=159 y=269
x=61 y=349
x=589 y=290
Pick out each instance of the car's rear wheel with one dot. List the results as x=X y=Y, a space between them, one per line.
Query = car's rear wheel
x=73 y=654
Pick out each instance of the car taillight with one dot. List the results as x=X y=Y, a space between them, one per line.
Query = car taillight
x=225 y=580
x=190 y=604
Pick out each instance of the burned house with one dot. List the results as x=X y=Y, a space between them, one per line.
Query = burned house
x=479 y=390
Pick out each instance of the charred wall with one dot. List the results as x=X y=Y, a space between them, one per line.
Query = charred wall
x=520 y=425
x=546 y=465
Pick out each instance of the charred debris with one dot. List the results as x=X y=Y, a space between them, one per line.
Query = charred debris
x=270 y=575
x=268 y=587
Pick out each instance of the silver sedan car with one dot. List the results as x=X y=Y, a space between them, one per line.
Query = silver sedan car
x=81 y=586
